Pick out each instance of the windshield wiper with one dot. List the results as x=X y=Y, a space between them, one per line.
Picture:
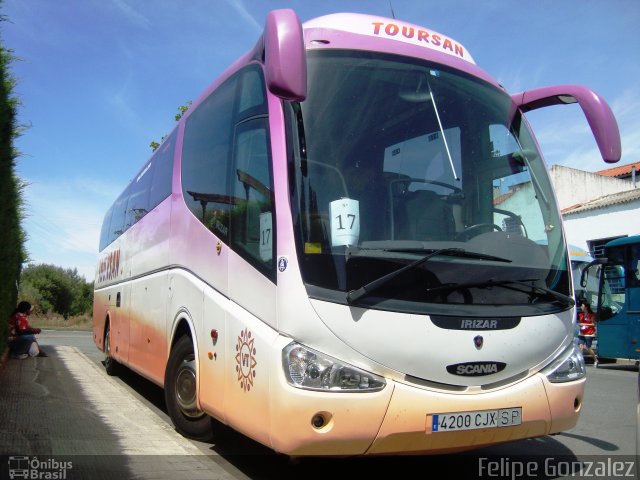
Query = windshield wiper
x=565 y=299
x=455 y=252
x=355 y=295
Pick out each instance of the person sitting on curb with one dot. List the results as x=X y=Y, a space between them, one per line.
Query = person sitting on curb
x=22 y=337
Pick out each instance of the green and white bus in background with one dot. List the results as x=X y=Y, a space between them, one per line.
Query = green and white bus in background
x=617 y=303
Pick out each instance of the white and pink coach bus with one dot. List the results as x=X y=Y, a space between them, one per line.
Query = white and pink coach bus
x=350 y=245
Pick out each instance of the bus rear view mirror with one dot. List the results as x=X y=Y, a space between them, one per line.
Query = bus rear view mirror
x=585 y=271
x=599 y=115
x=285 y=59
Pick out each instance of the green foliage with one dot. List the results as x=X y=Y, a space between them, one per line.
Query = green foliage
x=54 y=289
x=182 y=109
x=12 y=237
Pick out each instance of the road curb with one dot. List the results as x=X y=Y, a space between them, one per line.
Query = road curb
x=4 y=357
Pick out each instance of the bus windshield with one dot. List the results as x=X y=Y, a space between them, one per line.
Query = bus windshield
x=396 y=159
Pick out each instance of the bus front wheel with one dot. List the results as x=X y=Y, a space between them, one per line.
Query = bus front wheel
x=180 y=392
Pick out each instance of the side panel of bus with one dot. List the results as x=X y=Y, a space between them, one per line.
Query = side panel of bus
x=222 y=284
x=132 y=285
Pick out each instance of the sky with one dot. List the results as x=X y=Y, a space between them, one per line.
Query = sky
x=100 y=79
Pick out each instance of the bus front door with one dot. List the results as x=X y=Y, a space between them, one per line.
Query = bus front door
x=633 y=299
x=618 y=330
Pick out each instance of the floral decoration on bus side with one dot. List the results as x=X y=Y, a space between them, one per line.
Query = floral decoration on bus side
x=246 y=359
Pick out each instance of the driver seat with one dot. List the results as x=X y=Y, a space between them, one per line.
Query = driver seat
x=423 y=215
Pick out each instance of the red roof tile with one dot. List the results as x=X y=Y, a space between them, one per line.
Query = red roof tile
x=619 y=171
x=502 y=198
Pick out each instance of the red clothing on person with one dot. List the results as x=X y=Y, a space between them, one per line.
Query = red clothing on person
x=587 y=324
x=19 y=325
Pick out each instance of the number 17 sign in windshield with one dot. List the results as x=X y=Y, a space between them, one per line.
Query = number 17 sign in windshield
x=345 y=222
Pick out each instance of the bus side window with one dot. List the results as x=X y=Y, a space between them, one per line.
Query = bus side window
x=614 y=291
x=634 y=266
x=118 y=219
x=252 y=95
x=138 y=203
x=105 y=233
x=162 y=172
x=633 y=282
x=205 y=158
x=252 y=219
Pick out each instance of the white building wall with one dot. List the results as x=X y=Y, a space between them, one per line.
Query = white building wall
x=523 y=201
x=615 y=220
x=577 y=186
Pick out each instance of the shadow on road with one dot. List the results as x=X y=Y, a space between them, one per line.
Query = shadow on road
x=259 y=462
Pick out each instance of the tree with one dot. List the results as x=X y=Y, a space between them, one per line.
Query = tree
x=54 y=289
x=12 y=237
x=182 y=109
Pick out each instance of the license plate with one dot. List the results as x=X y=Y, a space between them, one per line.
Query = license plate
x=451 y=422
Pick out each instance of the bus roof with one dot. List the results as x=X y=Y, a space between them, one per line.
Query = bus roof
x=618 y=242
x=385 y=28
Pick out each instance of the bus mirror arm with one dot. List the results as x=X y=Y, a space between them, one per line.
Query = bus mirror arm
x=599 y=115
x=585 y=271
x=284 y=55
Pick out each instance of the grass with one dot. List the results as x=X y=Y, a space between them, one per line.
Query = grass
x=52 y=321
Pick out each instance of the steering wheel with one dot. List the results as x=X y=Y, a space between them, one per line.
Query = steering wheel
x=446 y=185
x=465 y=292
x=473 y=230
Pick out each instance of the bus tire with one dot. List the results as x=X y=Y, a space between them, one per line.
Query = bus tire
x=180 y=393
x=111 y=365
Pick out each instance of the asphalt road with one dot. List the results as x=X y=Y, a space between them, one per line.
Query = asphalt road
x=137 y=429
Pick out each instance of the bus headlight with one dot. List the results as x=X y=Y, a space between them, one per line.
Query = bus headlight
x=311 y=370
x=568 y=367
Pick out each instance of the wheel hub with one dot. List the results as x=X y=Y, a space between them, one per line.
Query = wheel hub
x=186 y=390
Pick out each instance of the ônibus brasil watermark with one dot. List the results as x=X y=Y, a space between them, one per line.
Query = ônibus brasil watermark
x=551 y=467
x=34 y=468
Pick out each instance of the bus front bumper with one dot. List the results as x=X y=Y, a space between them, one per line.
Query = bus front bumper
x=399 y=419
